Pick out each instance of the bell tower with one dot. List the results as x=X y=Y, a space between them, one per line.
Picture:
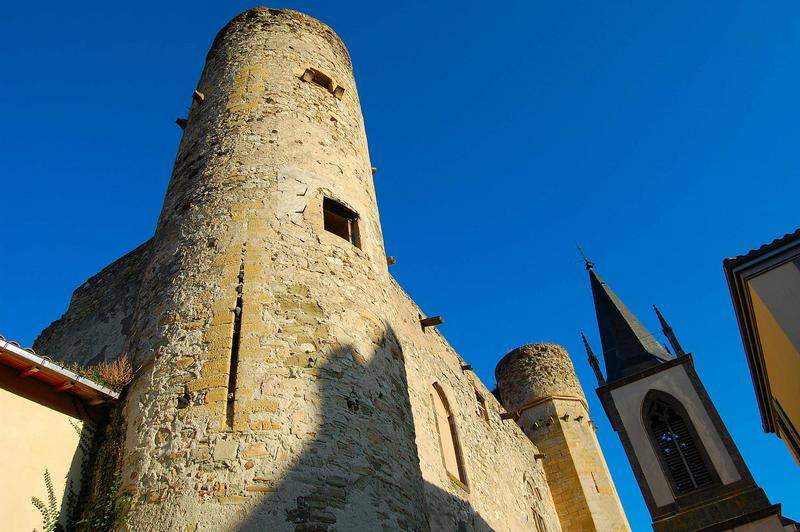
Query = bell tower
x=690 y=472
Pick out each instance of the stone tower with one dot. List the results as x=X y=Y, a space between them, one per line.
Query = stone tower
x=538 y=382
x=273 y=394
x=690 y=472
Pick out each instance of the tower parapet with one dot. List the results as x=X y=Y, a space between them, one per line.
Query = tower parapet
x=538 y=382
x=536 y=371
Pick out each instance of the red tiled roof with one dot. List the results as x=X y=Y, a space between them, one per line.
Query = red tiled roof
x=766 y=248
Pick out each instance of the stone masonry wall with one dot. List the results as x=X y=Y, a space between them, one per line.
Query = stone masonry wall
x=505 y=483
x=577 y=473
x=285 y=379
x=275 y=395
x=96 y=325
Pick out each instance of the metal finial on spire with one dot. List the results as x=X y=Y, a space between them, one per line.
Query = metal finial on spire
x=589 y=264
x=593 y=361
x=669 y=333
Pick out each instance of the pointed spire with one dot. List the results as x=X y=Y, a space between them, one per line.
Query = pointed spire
x=628 y=347
x=669 y=333
x=593 y=361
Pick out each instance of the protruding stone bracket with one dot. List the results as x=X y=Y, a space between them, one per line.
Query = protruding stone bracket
x=433 y=321
x=373 y=170
x=181 y=122
x=466 y=367
x=390 y=260
x=509 y=415
x=198 y=97
x=539 y=456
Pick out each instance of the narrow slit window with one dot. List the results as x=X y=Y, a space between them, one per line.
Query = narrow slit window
x=341 y=221
x=235 y=341
x=480 y=407
x=674 y=439
x=448 y=437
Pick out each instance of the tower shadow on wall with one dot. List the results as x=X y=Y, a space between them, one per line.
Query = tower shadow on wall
x=336 y=483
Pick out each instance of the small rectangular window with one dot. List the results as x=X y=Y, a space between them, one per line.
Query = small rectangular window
x=312 y=75
x=341 y=221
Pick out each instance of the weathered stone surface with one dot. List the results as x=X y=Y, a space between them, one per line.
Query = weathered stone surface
x=256 y=449
x=225 y=450
x=538 y=381
x=287 y=382
x=535 y=371
x=96 y=325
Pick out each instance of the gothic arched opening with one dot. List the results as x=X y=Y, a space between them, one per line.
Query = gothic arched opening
x=680 y=450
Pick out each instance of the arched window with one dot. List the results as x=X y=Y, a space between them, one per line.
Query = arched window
x=448 y=438
x=676 y=443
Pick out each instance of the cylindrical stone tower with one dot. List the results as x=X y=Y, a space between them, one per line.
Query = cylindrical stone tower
x=272 y=394
x=538 y=381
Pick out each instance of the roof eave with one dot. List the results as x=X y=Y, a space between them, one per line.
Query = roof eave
x=23 y=357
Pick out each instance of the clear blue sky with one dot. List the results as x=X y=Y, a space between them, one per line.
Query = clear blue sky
x=662 y=136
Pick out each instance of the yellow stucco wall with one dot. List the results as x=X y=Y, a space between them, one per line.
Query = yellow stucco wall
x=781 y=359
x=35 y=435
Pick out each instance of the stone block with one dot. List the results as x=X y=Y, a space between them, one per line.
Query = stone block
x=225 y=450
x=184 y=362
x=260 y=488
x=232 y=499
x=215 y=367
x=212 y=381
x=258 y=405
x=322 y=516
x=254 y=450
x=216 y=395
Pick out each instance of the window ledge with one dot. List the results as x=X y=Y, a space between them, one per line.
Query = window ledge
x=457 y=482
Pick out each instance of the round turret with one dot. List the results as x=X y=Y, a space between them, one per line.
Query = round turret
x=264 y=400
x=536 y=371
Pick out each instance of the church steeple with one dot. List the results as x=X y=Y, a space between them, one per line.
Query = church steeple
x=688 y=467
x=628 y=347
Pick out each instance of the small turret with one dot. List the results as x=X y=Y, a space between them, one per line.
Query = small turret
x=535 y=371
x=538 y=383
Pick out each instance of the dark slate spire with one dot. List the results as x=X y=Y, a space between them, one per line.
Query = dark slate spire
x=627 y=346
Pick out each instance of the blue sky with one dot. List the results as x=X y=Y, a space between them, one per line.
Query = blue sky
x=662 y=137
